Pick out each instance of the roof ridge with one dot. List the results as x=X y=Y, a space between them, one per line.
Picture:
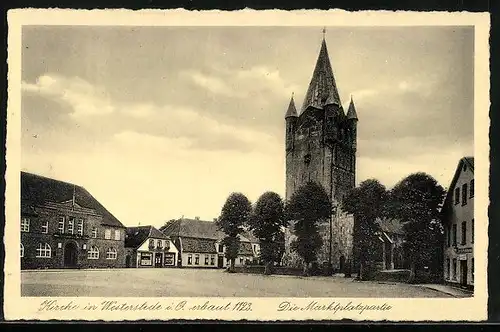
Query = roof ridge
x=52 y=179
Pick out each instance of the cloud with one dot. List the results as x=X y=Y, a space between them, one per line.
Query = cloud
x=84 y=98
x=242 y=83
x=195 y=125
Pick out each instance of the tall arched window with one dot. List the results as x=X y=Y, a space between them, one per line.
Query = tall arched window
x=111 y=253
x=93 y=253
x=43 y=250
x=22 y=250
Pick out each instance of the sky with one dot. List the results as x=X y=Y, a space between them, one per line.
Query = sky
x=163 y=122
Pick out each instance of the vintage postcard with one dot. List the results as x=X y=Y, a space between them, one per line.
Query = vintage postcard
x=247 y=165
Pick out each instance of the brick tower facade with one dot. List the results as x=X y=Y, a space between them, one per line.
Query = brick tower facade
x=321 y=147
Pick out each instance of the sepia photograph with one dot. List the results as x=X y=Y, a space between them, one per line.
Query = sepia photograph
x=246 y=161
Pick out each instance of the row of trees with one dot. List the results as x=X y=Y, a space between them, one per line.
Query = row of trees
x=415 y=202
x=266 y=219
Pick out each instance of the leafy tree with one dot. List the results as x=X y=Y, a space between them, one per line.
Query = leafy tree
x=308 y=206
x=266 y=222
x=234 y=216
x=366 y=203
x=416 y=201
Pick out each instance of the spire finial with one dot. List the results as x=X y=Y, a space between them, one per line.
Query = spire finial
x=324 y=32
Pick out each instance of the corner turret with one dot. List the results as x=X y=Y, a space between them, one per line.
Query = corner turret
x=291 y=118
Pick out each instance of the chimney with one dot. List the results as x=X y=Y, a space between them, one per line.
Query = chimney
x=196 y=218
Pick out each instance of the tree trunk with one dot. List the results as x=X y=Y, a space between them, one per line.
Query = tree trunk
x=305 y=272
x=231 y=265
x=267 y=269
x=411 y=279
x=361 y=272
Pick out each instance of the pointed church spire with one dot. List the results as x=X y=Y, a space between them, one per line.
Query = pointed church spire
x=292 y=111
x=351 y=111
x=322 y=88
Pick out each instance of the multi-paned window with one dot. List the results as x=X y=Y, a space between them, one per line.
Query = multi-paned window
x=197 y=259
x=454 y=234
x=71 y=225
x=472 y=231
x=159 y=244
x=117 y=235
x=25 y=225
x=93 y=253
x=457 y=195
x=471 y=189
x=212 y=259
x=464 y=194
x=60 y=226
x=464 y=232
x=94 y=232
x=107 y=234
x=206 y=259
x=448 y=237
x=190 y=259
x=45 y=227
x=43 y=250
x=111 y=253
x=79 y=227
x=22 y=250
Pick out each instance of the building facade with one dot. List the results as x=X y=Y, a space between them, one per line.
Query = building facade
x=64 y=226
x=458 y=210
x=321 y=147
x=200 y=244
x=390 y=252
x=145 y=246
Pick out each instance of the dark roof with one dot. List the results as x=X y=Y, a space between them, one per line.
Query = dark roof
x=322 y=88
x=193 y=228
x=197 y=245
x=469 y=161
x=291 y=111
x=38 y=190
x=135 y=236
x=201 y=229
x=392 y=226
x=351 y=112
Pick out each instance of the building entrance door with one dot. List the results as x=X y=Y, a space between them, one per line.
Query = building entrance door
x=158 y=259
x=463 y=272
x=70 y=255
x=341 y=264
x=220 y=261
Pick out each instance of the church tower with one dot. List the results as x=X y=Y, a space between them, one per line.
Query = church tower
x=321 y=144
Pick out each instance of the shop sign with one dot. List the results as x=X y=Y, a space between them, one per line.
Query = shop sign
x=464 y=250
x=462 y=257
x=146 y=259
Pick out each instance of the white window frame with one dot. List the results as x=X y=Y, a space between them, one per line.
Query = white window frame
x=207 y=260
x=93 y=252
x=43 y=251
x=45 y=227
x=118 y=235
x=94 y=232
x=79 y=226
x=190 y=259
x=22 y=250
x=71 y=225
x=107 y=234
x=61 y=222
x=197 y=259
x=111 y=253
x=25 y=225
